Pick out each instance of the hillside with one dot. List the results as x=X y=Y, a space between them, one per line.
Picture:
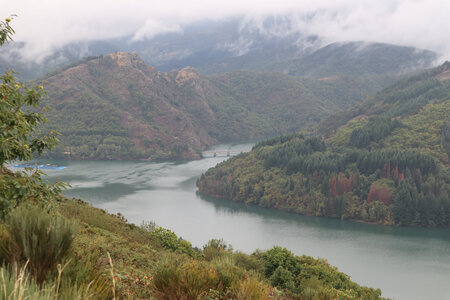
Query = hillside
x=102 y=256
x=404 y=97
x=368 y=67
x=117 y=107
x=385 y=161
x=356 y=58
x=153 y=263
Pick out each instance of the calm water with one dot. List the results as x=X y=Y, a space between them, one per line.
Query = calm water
x=406 y=263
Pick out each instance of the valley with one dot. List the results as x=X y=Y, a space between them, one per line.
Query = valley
x=302 y=154
x=117 y=107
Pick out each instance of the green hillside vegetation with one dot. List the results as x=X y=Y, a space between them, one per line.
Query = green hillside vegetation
x=388 y=163
x=117 y=107
x=361 y=67
x=404 y=97
x=108 y=257
x=253 y=105
x=52 y=247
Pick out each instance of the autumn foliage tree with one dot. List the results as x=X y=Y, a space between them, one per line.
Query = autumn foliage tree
x=379 y=193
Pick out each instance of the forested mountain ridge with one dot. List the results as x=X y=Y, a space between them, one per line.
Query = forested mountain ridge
x=385 y=161
x=356 y=58
x=404 y=97
x=117 y=107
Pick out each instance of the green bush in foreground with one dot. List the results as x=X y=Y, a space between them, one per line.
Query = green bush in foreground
x=36 y=238
x=184 y=278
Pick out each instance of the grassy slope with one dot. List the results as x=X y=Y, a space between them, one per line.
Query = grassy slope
x=137 y=255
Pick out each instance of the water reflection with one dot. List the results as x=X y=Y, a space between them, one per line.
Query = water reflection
x=98 y=194
x=225 y=206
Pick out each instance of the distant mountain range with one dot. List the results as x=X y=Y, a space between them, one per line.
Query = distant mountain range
x=225 y=46
x=118 y=107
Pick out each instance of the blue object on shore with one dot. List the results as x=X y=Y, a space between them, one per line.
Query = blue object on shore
x=41 y=167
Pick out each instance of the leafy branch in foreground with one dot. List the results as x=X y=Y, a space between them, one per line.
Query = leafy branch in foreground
x=21 y=137
x=6 y=31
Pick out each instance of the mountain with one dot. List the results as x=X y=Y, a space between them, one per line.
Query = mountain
x=12 y=57
x=225 y=46
x=239 y=44
x=384 y=161
x=118 y=107
x=356 y=58
x=210 y=47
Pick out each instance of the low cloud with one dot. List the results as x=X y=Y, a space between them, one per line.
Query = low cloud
x=47 y=25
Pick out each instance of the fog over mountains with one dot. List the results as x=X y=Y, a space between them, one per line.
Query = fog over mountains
x=235 y=44
x=47 y=26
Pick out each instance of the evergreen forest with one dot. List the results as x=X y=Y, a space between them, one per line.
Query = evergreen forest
x=385 y=161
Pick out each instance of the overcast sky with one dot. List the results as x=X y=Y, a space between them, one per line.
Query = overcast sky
x=48 y=24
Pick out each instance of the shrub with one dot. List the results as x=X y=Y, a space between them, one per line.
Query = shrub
x=253 y=289
x=215 y=248
x=169 y=240
x=37 y=237
x=180 y=278
x=229 y=275
x=313 y=289
x=283 y=278
x=280 y=257
x=248 y=262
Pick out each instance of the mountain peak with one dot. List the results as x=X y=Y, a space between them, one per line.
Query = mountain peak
x=186 y=74
x=125 y=58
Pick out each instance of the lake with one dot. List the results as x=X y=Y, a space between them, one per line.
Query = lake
x=405 y=263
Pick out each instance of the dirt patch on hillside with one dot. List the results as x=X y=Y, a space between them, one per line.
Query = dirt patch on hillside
x=444 y=75
x=359 y=117
x=330 y=79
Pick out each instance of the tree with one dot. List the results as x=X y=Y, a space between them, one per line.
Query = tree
x=20 y=138
x=19 y=118
x=6 y=31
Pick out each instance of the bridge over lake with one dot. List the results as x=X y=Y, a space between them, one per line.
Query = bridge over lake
x=221 y=153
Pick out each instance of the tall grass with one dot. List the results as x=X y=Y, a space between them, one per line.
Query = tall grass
x=183 y=278
x=34 y=236
x=17 y=284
